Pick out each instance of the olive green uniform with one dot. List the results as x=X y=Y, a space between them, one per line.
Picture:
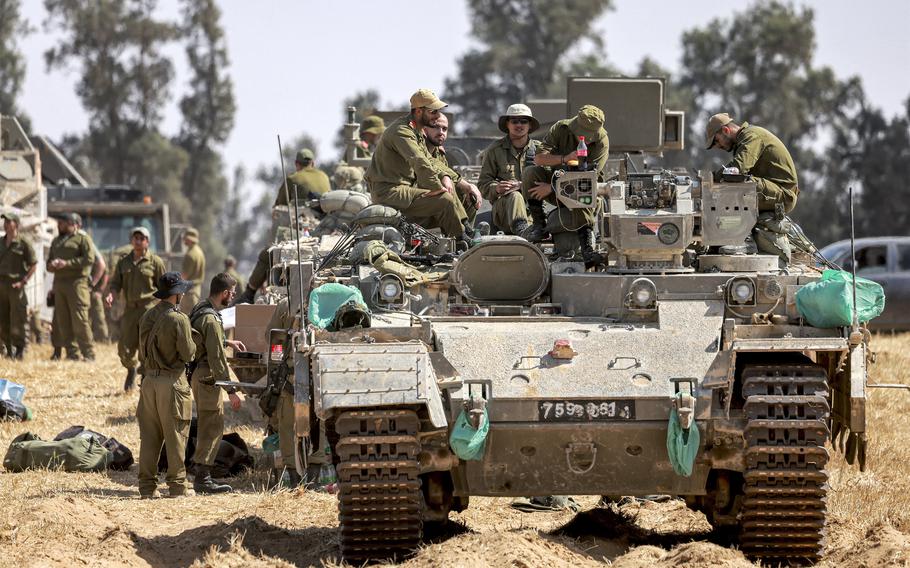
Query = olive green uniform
x=402 y=171
x=311 y=183
x=96 y=307
x=261 y=270
x=211 y=366
x=503 y=162
x=560 y=141
x=134 y=281
x=466 y=203
x=16 y=258
x=71 y=292
x=165 y=402
x=762 y=155
x=194 y=271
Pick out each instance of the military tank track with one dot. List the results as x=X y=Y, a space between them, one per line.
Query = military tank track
x=783 y=513
x=380 y=503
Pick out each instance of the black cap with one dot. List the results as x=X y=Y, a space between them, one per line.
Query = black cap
x=171 y=283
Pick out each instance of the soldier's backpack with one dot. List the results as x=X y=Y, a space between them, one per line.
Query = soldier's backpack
x=232 y=458
x=14 y=411
x=28 y=451
x=121 y=456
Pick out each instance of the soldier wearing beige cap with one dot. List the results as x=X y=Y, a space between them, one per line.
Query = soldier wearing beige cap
x=403 y=174
x=760 y=154
x=135 y=278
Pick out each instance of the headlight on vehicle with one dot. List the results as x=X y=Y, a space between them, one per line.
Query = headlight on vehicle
x=391 y=290
x=642 y=295
x=741 y=292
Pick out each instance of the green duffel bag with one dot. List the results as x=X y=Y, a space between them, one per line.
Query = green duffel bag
x=28 y=451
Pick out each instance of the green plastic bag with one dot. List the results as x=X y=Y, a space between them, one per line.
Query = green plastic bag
x=829 y=302
x=467 y=442
x=326 y=300
x=682 y=445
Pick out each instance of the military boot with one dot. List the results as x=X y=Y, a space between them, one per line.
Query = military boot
x=58 y=352
x=536 y=231
x=130 y=381
x=18 y=352
x=519 y=227
x=205 y=485
x=591 y=257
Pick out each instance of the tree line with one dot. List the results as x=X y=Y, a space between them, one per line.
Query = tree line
x=757 y=64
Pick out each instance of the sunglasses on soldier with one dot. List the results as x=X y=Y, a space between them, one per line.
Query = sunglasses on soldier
x=519 y=121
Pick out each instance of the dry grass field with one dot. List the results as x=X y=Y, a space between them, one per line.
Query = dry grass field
x=50 y=518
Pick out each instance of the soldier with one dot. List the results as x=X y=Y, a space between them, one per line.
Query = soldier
x=135 y=277
x=762 y=155
x=193 y=269
x=71 y=258
x=17 y=265
x=210 y=365
x=557 y=149
x=230 y=268
x=165 y=402
x=371 y=129
x=468 y=195
x=311 y=182
x=403 y=175
x=97 y=283
x=503 y=163
x=349 y=178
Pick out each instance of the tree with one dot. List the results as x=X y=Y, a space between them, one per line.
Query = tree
x=522 y=45
x=247 y=229
x=124 y=78
x=12 y=63
x=758 y=66
x=208 y=117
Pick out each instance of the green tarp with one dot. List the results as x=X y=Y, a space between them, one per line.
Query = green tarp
x=327 y=300
x=468 y=442
x=829 y=302
x=682 y=445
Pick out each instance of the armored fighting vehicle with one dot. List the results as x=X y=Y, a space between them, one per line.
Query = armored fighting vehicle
x=579 y=375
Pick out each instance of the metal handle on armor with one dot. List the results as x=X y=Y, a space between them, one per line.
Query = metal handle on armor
x=575 y=457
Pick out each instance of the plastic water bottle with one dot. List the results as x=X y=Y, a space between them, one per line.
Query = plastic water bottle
x=327 y=475
x=529 y=155
x=582 y=153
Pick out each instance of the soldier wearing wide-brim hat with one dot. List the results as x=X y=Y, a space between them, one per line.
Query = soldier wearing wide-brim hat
x=403 y=174
x=503 y=164
x=70 y=259
x=760 y=154
x=165 y=403
x=557 y=149
x=17 y=266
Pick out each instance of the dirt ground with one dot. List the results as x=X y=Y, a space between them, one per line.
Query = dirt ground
x=51 y=518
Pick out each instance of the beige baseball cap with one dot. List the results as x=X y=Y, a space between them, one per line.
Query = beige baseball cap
x=428 y=99
x=142 y=231
x=715 y=123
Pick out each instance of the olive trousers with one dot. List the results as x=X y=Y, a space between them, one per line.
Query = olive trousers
x=71 y=304
x=507 y=209
x=260 y=271
x=444 y=211
x=209 y=415
x=99 y=320
x=13 y=315
x=164 y=413
x=128 y=344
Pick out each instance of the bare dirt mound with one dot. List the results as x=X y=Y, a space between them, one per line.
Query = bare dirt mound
x=882 y=546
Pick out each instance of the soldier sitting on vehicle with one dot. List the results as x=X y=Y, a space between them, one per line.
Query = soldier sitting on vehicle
x=760 y=154
x=468 y=195
x=403 y=174
x=371 y=129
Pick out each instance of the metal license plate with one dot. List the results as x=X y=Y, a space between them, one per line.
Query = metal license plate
x=585 y=410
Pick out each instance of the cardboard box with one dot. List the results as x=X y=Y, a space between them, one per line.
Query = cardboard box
x=252 y=320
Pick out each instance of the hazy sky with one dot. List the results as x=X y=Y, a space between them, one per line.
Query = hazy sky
x=294 y=61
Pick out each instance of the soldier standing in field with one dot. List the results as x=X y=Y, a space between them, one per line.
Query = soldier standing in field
x=17 y=265
x=193 y=269
x=71 y=257
x=135 y=277
x=165 y=402
x=503 y=163
x=210 y=365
